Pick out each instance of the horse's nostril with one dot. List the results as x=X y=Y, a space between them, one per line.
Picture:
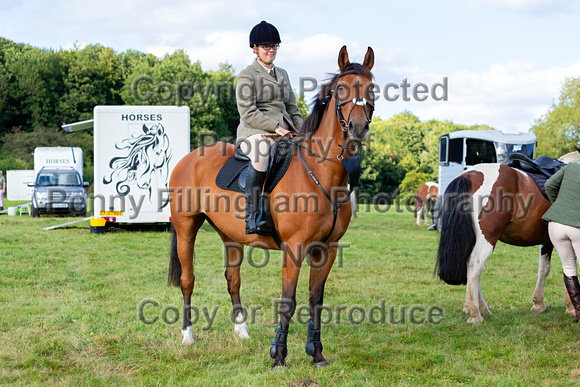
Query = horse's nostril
x=358 y=131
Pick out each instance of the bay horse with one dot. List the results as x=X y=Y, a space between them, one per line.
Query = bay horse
x=486 y=204
x=425 y=198
x=317 y=168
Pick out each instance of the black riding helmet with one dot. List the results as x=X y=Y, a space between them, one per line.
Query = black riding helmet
x=264 y=33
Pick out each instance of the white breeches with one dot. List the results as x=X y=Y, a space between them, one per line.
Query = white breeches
x=566 y=240
x=257 y=148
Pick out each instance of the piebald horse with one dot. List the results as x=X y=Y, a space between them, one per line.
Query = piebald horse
x=331 y=135
x=486 y=204
x=424 y=200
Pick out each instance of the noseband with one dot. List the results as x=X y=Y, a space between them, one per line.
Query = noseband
x=344 y=123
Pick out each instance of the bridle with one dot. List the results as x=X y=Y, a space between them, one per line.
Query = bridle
x=344 y=122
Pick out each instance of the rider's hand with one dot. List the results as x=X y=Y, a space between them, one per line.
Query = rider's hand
x=283 y=132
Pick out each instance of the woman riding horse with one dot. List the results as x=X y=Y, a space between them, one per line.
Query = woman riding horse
x=328 y=148
x=267 y=105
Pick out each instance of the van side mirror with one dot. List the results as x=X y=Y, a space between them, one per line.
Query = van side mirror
x=30 y=184
x=85 y=183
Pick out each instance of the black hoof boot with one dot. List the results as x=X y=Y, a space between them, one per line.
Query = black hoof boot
x=279 y=350
x=314 y=346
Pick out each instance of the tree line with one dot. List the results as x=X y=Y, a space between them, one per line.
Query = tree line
x=40 y=89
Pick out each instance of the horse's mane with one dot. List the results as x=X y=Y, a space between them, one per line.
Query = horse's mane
x=321 y=100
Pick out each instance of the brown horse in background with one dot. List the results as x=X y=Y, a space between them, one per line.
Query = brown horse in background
x=425 y=200
x=486 y=204
x=339 y=122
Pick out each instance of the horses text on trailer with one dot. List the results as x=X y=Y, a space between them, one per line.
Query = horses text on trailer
x=136 y=148
x=58 y=185
x=465 y=148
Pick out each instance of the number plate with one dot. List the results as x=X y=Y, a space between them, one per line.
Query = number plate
x=111 y=213
x=59 y=205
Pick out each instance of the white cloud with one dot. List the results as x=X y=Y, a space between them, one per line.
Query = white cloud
x=515 y=93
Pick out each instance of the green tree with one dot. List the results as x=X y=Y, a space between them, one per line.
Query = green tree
x=558 y=131
x=36 y=83
x=175 y=80
x=95 y=77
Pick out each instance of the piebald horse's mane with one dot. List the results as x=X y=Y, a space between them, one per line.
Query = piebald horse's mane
x=321 y=100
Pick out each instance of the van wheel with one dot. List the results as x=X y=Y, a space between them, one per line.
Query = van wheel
x=34 y=212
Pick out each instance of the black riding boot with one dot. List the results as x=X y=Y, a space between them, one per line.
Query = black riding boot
x=573 y=289
x=254 y=183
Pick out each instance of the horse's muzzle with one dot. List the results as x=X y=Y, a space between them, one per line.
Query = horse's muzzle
x=358 y=130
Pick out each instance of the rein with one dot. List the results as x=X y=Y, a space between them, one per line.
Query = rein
x=352 y=166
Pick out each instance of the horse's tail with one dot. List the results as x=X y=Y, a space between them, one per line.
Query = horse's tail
x=174 y=274
x=457 y=232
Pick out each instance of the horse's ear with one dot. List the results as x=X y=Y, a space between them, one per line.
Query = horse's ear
x=369 y=58
x=145 y=129
x=343 y=58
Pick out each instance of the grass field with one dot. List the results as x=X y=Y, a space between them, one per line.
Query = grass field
x=70 y=300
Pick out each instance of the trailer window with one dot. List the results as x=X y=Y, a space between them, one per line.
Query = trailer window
x=480 y=151
x=456 y=150
x=443 y=156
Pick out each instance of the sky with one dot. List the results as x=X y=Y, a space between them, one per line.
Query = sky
x=503 y=61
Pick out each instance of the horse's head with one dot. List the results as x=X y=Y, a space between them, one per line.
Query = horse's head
x=354 y=95
x=347 y=100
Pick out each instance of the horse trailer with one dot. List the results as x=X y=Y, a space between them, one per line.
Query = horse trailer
x=135 y=150
x=20 y=184
x=465 y=148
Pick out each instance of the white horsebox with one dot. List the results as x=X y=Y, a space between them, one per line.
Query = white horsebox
x=465 y=148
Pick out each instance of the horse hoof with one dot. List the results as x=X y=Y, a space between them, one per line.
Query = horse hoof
x=187 y=336
x=539 y=308
x=320 y=364
x=278 y=366
x=475 y=320
x=242 y=331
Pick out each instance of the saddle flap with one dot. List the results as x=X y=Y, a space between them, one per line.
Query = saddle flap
x=232 y=176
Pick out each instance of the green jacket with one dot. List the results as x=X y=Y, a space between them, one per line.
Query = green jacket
x=264 y=102
x=563 y=190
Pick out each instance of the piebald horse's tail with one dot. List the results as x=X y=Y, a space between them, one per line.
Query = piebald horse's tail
x=174 y=274
x=457 y=232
